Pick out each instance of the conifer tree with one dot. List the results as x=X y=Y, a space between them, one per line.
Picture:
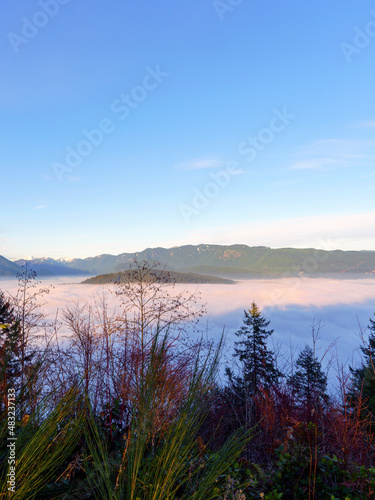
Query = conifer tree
x=10 y=347
x=257 y=363
x=363 y=377
x=309 y=381
x=252 y=351
x=368 y=350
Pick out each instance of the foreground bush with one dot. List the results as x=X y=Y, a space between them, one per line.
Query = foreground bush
x=148 y=463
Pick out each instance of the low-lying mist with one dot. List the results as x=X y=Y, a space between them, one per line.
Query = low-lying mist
x=293 y=305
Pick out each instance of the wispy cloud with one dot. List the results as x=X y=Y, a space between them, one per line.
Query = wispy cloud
x=200 y=163
x=47 y=177
x=366 y=124
x=337 y=146
x=287 y=183
x=72 y=178
x=68 y=178
x=40 y=207
x=332 y=153
x=328 y=232
x=317 y=164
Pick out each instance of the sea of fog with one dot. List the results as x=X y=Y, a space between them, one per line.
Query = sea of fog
x=343 y=308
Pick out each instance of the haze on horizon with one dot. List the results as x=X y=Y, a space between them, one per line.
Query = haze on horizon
x=134 y=125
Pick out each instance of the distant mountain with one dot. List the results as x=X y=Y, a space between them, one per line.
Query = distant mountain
x=46 y=266
x=239 y=259
x=106 y=263
x=101 y=264
x=162 y=276
x=8 y=268
x=217 y=260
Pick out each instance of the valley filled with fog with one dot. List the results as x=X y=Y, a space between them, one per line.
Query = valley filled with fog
x=292 y=305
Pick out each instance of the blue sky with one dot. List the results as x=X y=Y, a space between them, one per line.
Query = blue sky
x=128 y=125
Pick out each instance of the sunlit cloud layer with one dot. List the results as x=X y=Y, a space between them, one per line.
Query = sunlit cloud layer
x=326 y=232
x=292 y=305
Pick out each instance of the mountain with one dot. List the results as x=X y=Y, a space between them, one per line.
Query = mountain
x=258 y=261
x=231 y=261
x=162 y=276
x=8 y=268
x=46 y=266
x=106 y=263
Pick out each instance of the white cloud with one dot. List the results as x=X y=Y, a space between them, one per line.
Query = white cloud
x=346 y=147
x=367 y=124
x=292 y=305
x=327 y=153
x=317 y=164
x=200 y=163
x=328 y=232
x=40 y=207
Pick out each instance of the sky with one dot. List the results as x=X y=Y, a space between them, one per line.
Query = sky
x=128 y=125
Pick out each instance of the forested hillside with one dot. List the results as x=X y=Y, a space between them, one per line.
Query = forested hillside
x=235 y=259
x=216 y=260
x=161 y=276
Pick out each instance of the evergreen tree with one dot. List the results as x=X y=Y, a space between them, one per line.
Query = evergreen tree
x=10 y=349
x=309 y=382
x=363 y=377
x=257 y=362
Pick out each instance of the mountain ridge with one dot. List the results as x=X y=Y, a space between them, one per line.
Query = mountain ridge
x=237 y=258
x=8 y=268
x=46 y=266
x=257 y=261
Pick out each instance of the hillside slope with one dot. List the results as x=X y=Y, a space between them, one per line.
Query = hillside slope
x=8 y=268
x=46 y=266
x=235 y=259
x=160 y=276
